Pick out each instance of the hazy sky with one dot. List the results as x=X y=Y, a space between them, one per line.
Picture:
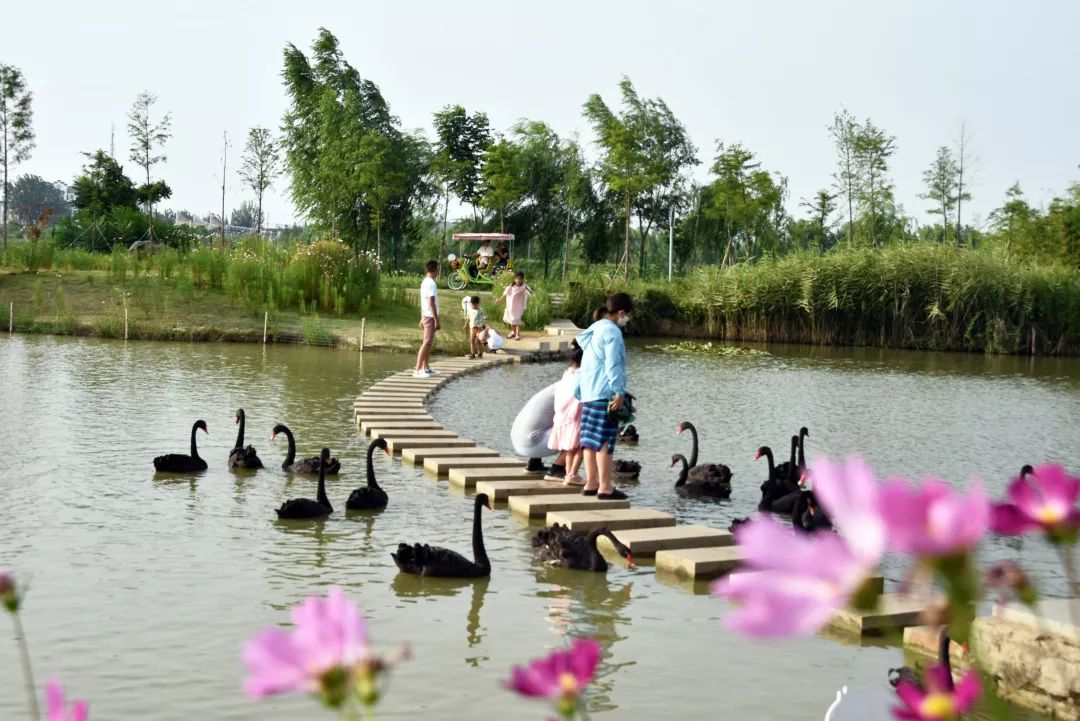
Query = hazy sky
x=769 y=74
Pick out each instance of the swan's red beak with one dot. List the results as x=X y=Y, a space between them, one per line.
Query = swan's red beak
x=757 y=455
x=273 y=435
x=678 y=431
x=672 y=464
x=629 y=560
x=237 y=421
x=206 y=431
x=488 y=505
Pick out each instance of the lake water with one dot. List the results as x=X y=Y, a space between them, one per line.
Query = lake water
x=144 y=589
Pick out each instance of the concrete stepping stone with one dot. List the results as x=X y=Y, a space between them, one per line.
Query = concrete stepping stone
x=362 y=418
x=468 y=477
x=502 y=490
x=386 y=414
x=876 y=583
x=699 y=563
x=416 y=455
x=404 y=425
x=380 y=403
x=539 y=506
x=387 y=396
x=390 y=433
x=644 y=542
x=613 y=520
x=396 y=444
x=398 y=391
x=442 y=466
x=894 y=611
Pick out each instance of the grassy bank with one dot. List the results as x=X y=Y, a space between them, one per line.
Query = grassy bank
x=927 y=297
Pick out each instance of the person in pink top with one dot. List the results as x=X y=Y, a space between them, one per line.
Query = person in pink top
x=515 y=295
x=566 y=429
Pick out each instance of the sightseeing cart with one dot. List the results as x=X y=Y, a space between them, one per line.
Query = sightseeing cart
x=463 y=266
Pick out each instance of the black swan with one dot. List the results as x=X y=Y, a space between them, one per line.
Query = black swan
x=698 y=487
x=788 y=471
x=736 y=522
x=808 y=515
x=425 y=560
x=559 y=546
x=626 y=470
x=905 y=673
x=777 y=496
x=239 y=456
x=305 y=507
x=307 y=465
x=711 y=472
x=628 y=434
x=1026 y=470
x=371 y=495
x=179 y=463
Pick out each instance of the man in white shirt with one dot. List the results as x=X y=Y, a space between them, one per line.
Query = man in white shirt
x=429 y=320
x=484 y=254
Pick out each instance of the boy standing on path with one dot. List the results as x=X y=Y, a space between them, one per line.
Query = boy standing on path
x=429 y=320
x=601 y=388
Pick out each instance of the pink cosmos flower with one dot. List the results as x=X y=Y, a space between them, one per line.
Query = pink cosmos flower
x=1048 y=504
x=933 y=520
x=796 y=582
x=56 y=706
x=561 y=676
x=938 y=701
x=326 y=647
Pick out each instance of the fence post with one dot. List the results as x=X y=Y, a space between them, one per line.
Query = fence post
x=125 y=322
x=266 y=317
x=11 y=317
x=363 y=330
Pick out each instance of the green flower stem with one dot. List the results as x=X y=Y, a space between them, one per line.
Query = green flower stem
x=28 y=671
x=1072 y=578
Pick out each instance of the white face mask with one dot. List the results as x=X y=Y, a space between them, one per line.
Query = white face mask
x=623 y=320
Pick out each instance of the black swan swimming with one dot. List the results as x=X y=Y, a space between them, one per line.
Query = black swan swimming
x=1026 y=470
x=905 y=673
x=712 y=472
x=777 y=496
x=305 y=507
x=179 y=463
x=700 y=486
x=424 y=560
x=808 y=515
x=626 y=470
x=559 y=546
x=239 y=456
x=788 y=470
x=371 y=495
x=307 y=465
x=628 y=434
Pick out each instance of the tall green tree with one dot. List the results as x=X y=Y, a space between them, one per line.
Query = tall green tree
x=331 y=156
x=873 y=148
x=104 y=186
x=964 y=165
x=1013 y=218
x=502 y=179
x=748 y=201
x=942 y=188
x=16 y=127
x=844 y=130
x=645 y=152
x=821 y=208
x=461 y=141
x=148 y=138
x=259 y=167
x=245 y=215
x=32 y=194
x=547 y=171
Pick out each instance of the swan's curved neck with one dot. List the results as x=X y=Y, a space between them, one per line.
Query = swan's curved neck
x=943 y=656
x=694 y=448
x=240 y=433
x=683 y=473
x=793 y=473
x=802 y=450
x=479 y=552
x=596 y=559
x=194 y=450
x=372 y=483
x=321 y=495
x=291 y=455
x=769 y=459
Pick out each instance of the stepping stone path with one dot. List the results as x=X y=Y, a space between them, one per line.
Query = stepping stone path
x=699 y=563
x=398 y=444
x=503 y=490
x=416 y=456
x=644 y=542
x=469 y=477
x=540 y=506
x=613 y=520
x=894 y=611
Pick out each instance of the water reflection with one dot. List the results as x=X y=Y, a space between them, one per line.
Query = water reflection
x=411 y=586
x=582 y=604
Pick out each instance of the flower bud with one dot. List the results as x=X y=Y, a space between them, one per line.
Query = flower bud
x=1008 y=579
x=8 y=594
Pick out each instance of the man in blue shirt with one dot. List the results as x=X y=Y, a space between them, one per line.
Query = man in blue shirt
x=601 y=388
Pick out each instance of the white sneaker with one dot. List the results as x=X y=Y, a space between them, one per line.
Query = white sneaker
x=431 y=372
x=420 y=374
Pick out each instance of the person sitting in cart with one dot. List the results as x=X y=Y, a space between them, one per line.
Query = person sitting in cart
x=502 y=257
x=484 y=254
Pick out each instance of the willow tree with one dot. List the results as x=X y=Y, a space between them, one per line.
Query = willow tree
x=941 y=187
x=461 y=141
x=502 y=179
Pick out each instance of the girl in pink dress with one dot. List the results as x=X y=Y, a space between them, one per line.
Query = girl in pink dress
x=567 y=425
x=515 y=295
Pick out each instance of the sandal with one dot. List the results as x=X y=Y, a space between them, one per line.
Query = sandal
x=615 y=495
x=593 y=492
x=574 y=481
